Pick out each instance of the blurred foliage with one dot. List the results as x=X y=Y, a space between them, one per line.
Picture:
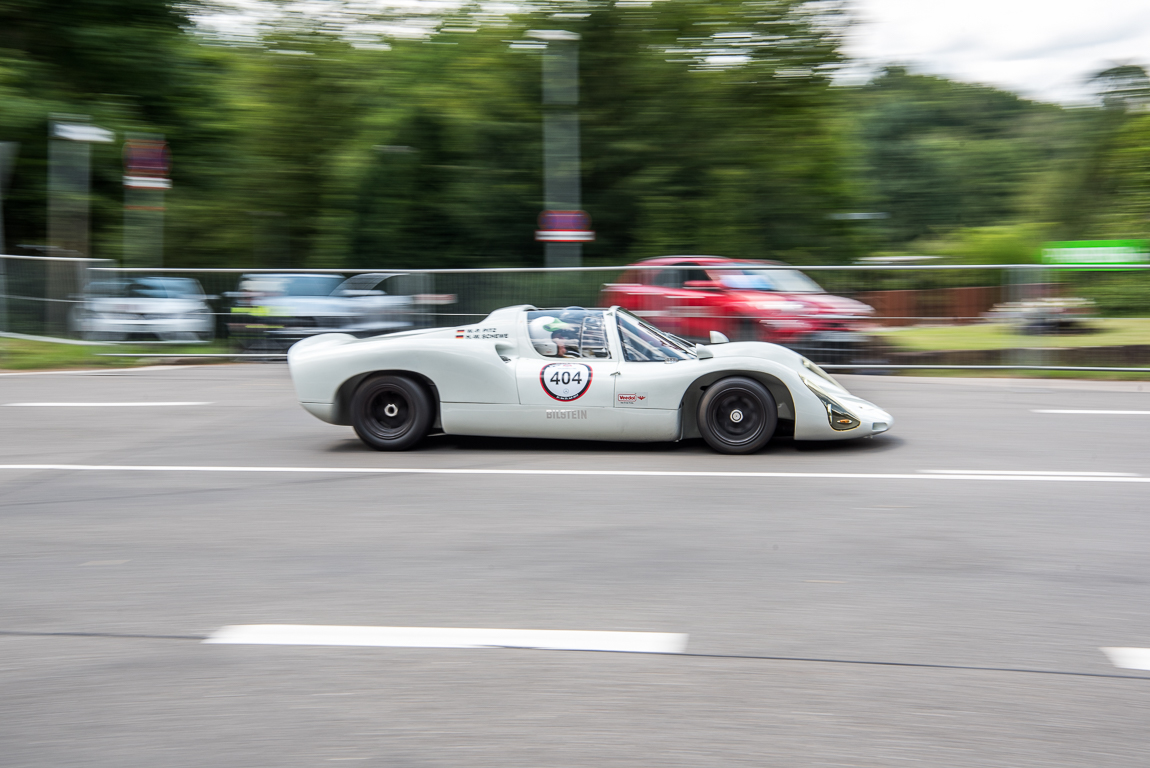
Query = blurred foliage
x=342 y=140
x=1116 y=294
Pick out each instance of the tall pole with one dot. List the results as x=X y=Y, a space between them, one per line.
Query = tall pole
x=146 y=169
x=7 y=160
x=69 y=160
x=561 y=165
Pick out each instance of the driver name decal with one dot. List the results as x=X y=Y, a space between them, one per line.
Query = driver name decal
x=473 y=334
x=565 y=381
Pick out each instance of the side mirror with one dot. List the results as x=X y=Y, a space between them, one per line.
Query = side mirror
x=703 y=285
x=702 y=353
x=718 y=338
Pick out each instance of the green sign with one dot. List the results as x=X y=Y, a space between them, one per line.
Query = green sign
x=1086 y=254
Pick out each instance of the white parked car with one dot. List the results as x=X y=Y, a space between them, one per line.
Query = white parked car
x=574 y=373
x=165 y=308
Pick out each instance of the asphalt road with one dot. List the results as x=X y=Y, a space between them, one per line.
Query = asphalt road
x=864 y=611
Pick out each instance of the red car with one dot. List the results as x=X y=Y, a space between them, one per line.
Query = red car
x=689 y=297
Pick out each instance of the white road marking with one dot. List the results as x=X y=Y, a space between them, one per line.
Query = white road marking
x=1129 y=658
x=1080 y=477
x=1106 y=413
x=450 y=637
x=1036 y=472
x=99 y=405
x=108 y=371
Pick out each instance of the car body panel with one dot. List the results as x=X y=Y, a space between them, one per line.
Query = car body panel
x=487 y=380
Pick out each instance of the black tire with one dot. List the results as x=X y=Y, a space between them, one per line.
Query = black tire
x=737 y=415
x=391 y=413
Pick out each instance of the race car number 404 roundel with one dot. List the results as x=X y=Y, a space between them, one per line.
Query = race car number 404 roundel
x=565 y=381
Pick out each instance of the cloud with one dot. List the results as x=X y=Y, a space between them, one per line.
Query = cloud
x=1044 y=49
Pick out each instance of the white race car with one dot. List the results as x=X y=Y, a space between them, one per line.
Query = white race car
x=574 y=373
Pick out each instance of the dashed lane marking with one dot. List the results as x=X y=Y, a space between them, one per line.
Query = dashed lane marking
x=1129 y=658
x=102 y=405
x=450 y=637
x=1104 y=413
x=99 y=371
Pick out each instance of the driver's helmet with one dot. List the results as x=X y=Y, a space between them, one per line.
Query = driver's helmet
x=545 y=329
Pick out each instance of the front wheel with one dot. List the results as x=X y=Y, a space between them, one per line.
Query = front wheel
x=391 y=413
x=737 y=415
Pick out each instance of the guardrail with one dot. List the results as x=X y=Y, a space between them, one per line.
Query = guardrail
x=925 y=316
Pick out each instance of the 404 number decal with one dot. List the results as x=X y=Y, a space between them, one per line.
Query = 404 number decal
x=565 y=381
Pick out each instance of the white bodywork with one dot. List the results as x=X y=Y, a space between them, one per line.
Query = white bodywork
x=487 y=380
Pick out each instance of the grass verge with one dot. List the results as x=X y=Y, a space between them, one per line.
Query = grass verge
x=1109 y=332
x=25 y=355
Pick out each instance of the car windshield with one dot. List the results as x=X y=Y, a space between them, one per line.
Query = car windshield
x=570 y=332
x=780 y=280
x=291 y=285
x=644 y=343
x=147 y=288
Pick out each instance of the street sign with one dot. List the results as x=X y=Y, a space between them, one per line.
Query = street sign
x=82 y=132
x=564 y=227
x=146 y=164
x=1087 y=254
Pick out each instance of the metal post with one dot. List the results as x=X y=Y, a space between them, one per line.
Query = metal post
x=7 y=160
x=67 y=194
x=3 y=294
x=68 y=183
x=145 y=179
x=561 y=164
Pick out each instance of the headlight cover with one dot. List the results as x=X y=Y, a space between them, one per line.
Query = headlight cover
x=841 y=420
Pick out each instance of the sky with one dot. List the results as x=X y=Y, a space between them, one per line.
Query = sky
x=1039 y=49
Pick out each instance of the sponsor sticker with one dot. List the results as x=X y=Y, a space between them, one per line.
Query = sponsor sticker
x=565 y=381
x=630 y=398
x=566 y=413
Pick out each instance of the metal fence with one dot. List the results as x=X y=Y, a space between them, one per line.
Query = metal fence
x=872 y=317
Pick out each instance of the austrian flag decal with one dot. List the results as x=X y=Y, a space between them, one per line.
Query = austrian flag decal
x=565 y=381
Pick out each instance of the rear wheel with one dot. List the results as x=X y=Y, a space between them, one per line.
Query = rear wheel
x=391 y=413
x=737 y=415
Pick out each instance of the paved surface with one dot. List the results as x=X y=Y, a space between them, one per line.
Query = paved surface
x=832 y=621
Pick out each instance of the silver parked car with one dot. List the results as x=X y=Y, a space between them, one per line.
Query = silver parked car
x=276 y=310
x=126 y=308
